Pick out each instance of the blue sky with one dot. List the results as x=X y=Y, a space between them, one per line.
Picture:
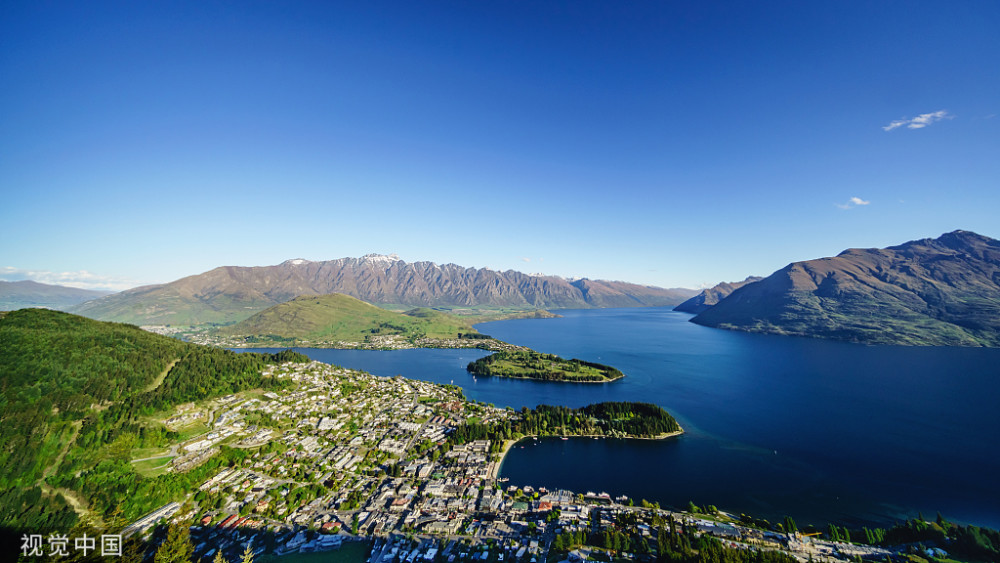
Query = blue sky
x=667 y=143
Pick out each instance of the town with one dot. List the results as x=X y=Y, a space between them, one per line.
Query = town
x=202 y=335
x=342 y=455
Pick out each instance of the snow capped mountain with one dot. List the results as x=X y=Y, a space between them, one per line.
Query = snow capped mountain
x=381 y=258
x=233 y=293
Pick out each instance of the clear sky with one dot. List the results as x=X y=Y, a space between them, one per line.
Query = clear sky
x=668 y=143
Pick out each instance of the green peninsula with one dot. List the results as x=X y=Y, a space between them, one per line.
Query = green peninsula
x=528 y=364
x=613 y=419
x=341 y=321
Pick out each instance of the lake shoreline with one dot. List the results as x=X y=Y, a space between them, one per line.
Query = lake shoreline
x=490 y=345
x=494 y=472
x=548 y=380
x=743 y=394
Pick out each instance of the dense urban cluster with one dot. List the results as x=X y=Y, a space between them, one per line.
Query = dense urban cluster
x=345 y=455
x=204 y=336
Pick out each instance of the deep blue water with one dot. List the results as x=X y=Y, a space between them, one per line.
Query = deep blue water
x=819 y=430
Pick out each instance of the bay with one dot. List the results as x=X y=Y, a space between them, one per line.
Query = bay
x=822 y=431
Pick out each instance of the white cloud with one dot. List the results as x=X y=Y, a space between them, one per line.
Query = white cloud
x=524 y=259
x=920 y=121
x=853 y=202
x=80 y=279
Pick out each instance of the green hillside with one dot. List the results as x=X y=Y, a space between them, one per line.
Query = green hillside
x=338 y=317
x=74 y=397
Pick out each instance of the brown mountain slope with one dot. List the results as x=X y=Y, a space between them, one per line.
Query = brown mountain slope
x=943 y=291
x=233 y=293
x=709 y=297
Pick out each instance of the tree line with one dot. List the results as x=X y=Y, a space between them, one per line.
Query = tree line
x=671 y=544
x=545 y=367
x=603 y=419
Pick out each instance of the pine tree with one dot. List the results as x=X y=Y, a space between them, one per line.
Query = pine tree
x=177 y=547
x=247 y=555
x=790 y=526
x=116 y=521
x=132 y=552
x=219 y=558
x=558 y=544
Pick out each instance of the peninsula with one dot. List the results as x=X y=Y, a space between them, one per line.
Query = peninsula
x=341 y=321
x=528 y=364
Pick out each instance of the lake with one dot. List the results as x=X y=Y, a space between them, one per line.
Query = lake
x=822 y=431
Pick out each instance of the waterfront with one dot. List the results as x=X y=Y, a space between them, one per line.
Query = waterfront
x=816 y=429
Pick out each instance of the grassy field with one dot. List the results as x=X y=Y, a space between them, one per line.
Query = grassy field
x=191 y=430
x=152 y=467
x=339 y=317
x=142 y=453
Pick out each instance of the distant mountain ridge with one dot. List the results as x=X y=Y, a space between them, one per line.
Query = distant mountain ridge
x=711 y=296
x=233 y=293
x=943 y=291
x=26 y=293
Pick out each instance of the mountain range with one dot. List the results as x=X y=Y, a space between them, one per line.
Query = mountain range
x=233 y=293
x=27 y=293
x=943 y=291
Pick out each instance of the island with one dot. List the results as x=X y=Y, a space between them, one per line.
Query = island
x=528 y=364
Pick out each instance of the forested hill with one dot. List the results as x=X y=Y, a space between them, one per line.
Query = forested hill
x=78 y=387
